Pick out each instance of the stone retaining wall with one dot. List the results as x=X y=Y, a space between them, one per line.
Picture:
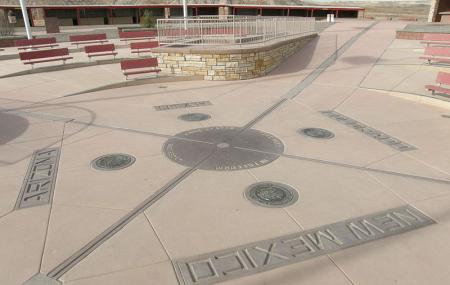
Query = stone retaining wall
x=227 y=64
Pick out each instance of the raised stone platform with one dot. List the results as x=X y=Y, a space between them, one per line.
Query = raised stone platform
x=415 y=32
x=233 y=63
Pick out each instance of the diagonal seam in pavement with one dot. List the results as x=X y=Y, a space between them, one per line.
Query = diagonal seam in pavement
x=70 y=262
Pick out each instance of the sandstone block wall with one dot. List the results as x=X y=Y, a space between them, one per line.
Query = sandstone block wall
x=231 y=64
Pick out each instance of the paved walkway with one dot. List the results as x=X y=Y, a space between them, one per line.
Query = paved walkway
x=146 y=223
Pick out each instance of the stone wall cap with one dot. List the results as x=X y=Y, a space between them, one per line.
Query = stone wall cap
x=231 y=50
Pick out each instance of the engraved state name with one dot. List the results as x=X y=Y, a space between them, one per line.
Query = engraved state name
x=38 y=185
x=247 y=165
x=264 y=255
x=371 y=132
x=182 y=105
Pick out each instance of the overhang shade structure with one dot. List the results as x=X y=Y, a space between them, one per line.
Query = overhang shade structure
x=96 y=13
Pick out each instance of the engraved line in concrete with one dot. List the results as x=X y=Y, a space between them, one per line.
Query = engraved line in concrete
x=41 y=116
x=291 y=94
x=66 y=265
x=406 y=175
x=308 y=80
x=76 y=121
x=70 y=262
x=265 y=255
x=137 y=131
x=51 y=210
x=352 y=166
x=262 y=115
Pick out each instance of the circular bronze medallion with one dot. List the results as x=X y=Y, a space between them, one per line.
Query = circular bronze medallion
x=271 y=194
x=317 y=133
x=113 y=161
x=193 y=117
x=223 y=148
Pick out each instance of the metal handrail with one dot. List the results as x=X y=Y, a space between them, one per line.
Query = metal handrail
x=231 y=29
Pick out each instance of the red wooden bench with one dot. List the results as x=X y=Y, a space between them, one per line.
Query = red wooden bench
x=438 y=39
x=139 y=66
x=437 y=54
x=442 y=78
x=100 y=50
x=36 y=43
x=137 y=35
x=39 y=56
x=141 y=47
x=88 y=39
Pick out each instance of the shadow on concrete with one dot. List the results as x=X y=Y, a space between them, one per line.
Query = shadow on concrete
x=66 y=66
x=11 y=127
x=298 y=61
x=357 y=60
x=89 y=121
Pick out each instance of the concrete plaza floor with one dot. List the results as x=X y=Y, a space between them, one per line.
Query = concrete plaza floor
x=376 y=80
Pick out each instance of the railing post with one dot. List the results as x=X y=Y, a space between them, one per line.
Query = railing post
x=157 y=31
x=276 y=28
x=234 y=32
x=201 y=30
x=240 y=33
x=264 y=30
x=285 y=27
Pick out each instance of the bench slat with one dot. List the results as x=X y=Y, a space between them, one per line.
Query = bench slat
x=443 y=78
x=102 y=54
x=35 y=42
x=100 y=48
x=435 y=43
x=88 y=38
x=48 y=60
x=129 y=66
x=139 y=63
x=141 y=71
x=436 y=37
x=38 y=54
x=144 y=45
x=438 y=89
x=38 y=46
x=137 y=35
x=439 y=54
x=436 y=59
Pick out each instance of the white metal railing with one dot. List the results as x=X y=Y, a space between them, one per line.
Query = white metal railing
x=231 y=30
